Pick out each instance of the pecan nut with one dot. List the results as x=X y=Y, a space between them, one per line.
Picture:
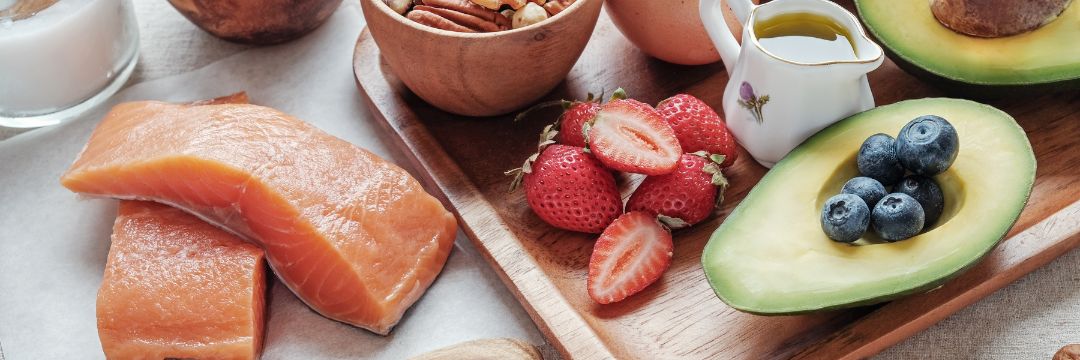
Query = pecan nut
x=457 y=15
x=498 y=4
x=435 y=21
x=478 y=15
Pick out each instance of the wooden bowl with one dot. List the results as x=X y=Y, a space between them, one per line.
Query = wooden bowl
x=668 y=30
x=482 y=74
x=257 y=21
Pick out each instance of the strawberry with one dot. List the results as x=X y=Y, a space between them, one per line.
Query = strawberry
x=631 y=254
x=698 y=127
x=684 y=197
x=575 y=114
x=628 y=135
x=568 y=188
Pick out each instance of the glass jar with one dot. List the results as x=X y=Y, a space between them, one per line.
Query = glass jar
x=59 y=58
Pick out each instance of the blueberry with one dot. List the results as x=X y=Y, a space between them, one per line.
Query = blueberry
x=877 y=159
x=927 y=145
x=897 y=217
x=927 y=192
x=869 y=190
x=845 y=217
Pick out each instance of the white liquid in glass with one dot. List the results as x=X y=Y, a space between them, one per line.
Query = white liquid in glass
x=62 y=56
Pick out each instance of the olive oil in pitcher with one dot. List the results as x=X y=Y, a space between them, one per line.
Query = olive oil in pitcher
x=805 y=38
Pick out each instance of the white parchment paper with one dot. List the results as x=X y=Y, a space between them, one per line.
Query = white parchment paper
x=53 y=244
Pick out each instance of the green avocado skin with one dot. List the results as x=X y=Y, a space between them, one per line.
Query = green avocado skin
x=967 y=90
x=955 y=86
x=719 y=274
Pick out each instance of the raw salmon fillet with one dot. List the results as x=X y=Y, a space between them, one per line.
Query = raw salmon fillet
x=354 y=236
x=177 y=287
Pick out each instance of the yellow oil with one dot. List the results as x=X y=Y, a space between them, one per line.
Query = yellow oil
x=805 y=38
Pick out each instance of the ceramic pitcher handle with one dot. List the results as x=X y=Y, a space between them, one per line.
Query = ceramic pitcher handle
x=712 y=16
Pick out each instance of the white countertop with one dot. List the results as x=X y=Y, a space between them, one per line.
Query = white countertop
x=1030 y=319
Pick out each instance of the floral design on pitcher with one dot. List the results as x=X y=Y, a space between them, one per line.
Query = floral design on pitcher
x=751 y=101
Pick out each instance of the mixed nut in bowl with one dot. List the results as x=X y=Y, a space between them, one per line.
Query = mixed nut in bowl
x=479 y=72
x=478 y=15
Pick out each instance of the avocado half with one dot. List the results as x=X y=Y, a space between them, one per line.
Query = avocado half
x=1047 y=58
x=771 y=257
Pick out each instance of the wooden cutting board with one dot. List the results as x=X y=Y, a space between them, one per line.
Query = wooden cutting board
x=462 y=161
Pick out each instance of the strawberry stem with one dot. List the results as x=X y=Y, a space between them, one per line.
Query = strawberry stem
x=521 y=116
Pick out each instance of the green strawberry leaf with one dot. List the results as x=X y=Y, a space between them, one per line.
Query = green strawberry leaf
x=619 y=94
x=547 y=137
x=672 y=222
x=718 y=178
x=721 y=182
x=715 y=158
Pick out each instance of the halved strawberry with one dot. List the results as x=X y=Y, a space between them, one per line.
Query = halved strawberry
x=633 y=252
x=628 y=135
x=698 y=127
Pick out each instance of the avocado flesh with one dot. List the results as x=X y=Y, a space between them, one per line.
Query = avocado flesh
x=771 y=257
x=1049 y=54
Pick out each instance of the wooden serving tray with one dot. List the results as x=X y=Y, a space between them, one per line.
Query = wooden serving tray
x=462 y=161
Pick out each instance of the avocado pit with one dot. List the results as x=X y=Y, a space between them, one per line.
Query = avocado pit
x=996 y=18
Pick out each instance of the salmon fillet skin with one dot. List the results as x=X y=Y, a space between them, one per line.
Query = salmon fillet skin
x=177 y=287
x=352 y=235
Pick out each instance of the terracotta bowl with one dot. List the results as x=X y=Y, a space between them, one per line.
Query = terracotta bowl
x=257 y=21
x=482 y=74
x=668 y=30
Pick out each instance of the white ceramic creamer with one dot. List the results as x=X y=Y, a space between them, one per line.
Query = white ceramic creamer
x=772 y=103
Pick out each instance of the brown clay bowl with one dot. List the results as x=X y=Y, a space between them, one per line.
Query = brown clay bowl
x=257 y=21
x=667 y=30
x=482 y=74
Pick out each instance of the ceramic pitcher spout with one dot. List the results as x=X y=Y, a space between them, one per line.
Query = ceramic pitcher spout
x=854 y=68
x=869 y=54
x=860 y=67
